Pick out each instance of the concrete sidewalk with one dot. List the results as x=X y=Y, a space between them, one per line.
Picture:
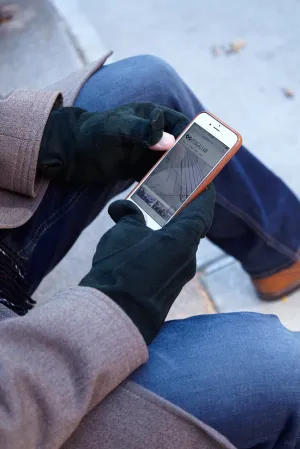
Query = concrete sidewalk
x=36 y=47
x=243 y=88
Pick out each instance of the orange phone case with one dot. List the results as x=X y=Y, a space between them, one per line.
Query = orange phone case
x=215 y=171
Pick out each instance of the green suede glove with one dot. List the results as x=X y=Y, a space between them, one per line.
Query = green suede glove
x=143 y=270
x=79 y=146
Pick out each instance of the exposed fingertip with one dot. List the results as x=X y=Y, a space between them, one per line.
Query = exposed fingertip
x=165 y=143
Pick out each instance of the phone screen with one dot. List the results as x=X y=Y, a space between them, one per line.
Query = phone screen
x=179 y=173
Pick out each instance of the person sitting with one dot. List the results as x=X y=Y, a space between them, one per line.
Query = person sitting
x=97 y=366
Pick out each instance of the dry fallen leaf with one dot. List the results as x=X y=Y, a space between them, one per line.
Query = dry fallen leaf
x=234 y=47
x=288 y=93
x=237 y=46
x=216 y=51
x=7 y=12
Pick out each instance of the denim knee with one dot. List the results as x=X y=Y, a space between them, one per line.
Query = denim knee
x=159 y=81
x=142 y=78
x=265 y=358
x=255 y=353
x=237 y=372
x=258 y=386
x=158 y=69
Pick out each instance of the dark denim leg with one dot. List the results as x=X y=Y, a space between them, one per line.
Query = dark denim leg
x=257 y=216
x=238 y=373
x=35 y=248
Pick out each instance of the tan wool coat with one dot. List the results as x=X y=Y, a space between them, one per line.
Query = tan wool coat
x=63 y=367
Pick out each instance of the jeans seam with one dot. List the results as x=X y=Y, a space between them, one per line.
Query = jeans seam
x=270 y=240
x=50 y=221
x=270 y=272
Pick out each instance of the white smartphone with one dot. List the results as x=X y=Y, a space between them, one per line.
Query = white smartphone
x=184 y=171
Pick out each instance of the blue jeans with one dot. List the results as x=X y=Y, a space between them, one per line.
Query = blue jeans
x=237 y=372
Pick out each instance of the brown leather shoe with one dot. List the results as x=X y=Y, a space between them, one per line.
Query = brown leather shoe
x=279 y=284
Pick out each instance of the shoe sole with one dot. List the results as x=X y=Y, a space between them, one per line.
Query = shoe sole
x=276 y=296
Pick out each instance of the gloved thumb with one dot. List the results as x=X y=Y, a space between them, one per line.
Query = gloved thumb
x=196 y=218
x=122 y=209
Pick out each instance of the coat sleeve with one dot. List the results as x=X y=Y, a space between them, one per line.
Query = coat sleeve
x=58 y=362
x=23 y=116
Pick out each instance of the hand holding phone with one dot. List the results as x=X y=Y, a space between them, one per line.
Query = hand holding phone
x=143 y=271
x=90 y=147
x=198 y=155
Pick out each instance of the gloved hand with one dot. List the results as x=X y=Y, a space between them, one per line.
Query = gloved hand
x=143 y=270
x=79 y=146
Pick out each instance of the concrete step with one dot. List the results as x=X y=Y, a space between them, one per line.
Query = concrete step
x=231 y=290
x=36 y=48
